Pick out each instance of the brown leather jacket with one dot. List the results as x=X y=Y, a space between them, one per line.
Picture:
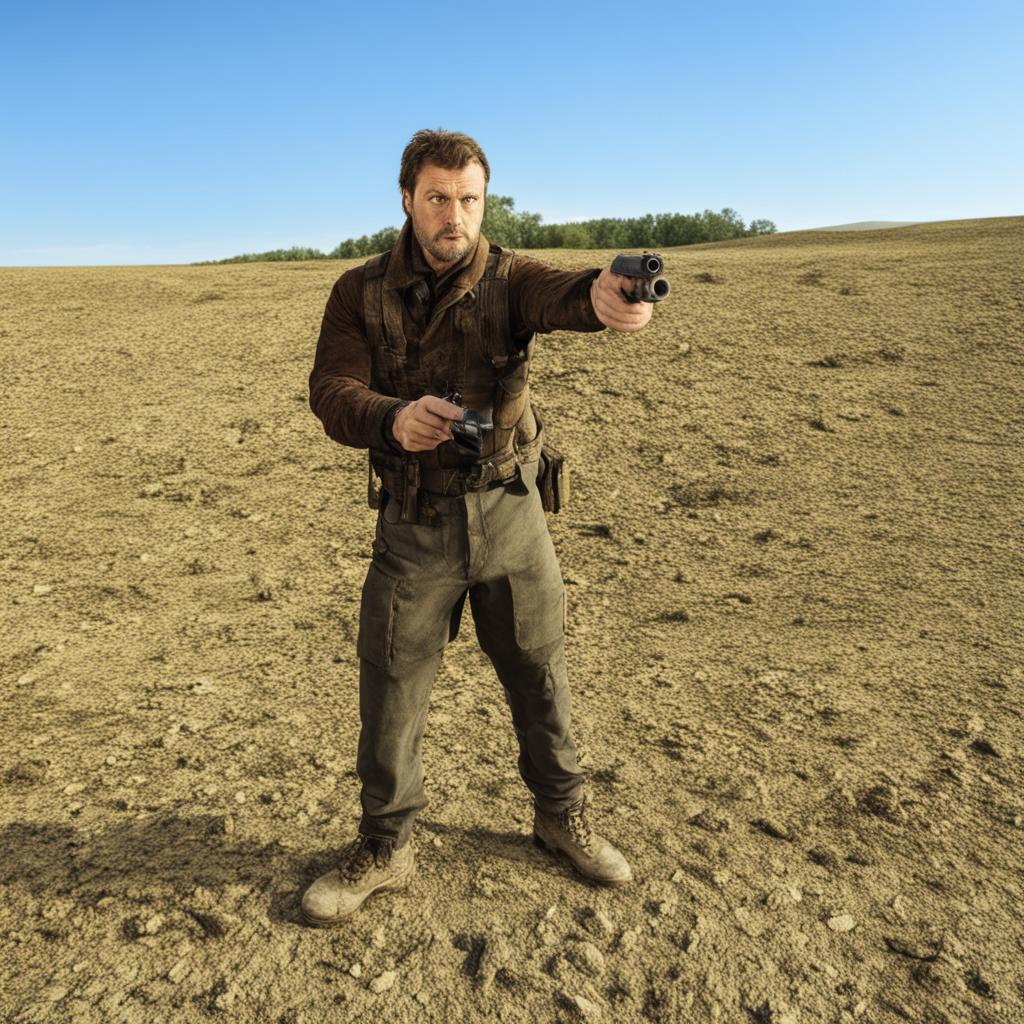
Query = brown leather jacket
x=541 y=299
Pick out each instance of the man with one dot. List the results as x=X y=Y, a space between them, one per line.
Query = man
x=445 y=312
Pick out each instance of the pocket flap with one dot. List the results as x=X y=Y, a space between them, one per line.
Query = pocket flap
x=377 y=617
x=538 y=607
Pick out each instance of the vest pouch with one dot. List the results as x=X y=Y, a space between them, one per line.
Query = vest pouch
x=509 y=398
x=373 y=487
x=552 y=479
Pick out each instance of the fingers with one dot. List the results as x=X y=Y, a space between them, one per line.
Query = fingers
x=423 y=429
x=441 y=408
x=612 y=309
x=621 y=315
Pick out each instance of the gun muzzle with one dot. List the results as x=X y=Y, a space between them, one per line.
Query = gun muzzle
x=647 y=269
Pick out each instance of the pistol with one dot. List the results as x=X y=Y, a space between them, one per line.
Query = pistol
x=468 y=433
x=648 y=268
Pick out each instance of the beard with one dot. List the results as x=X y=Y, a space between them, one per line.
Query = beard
x=444 y=250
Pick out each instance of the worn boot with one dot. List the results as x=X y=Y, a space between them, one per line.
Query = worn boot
x=366 y=865
x=591 y=855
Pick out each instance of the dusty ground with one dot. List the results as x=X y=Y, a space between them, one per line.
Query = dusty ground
x=795 y=574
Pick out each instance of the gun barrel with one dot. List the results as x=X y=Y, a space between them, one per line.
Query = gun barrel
x=648 y=269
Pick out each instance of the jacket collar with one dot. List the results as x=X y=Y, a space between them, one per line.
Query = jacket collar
x=401 y=273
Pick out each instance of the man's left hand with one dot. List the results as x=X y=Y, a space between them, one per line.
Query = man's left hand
x=612 y=309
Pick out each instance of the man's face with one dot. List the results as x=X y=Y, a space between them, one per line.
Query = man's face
x=447 y=208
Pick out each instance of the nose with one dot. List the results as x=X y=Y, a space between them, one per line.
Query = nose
x=454 y=218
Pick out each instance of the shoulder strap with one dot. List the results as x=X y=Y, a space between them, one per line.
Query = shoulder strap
x=504 y=264
x=376 y=266
x=373 y=312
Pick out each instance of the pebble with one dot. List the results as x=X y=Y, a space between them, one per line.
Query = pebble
x=985 y=746
x=240 y=797
x=356 y=970
x=587 y=957
x=42 y=588
x=773 y=828
x=781 y=896
x=583 y=1006
x=597 y=922
x=73 y=787
x=659 y=908
x=710 y=821
x=179 y=971
x=841 y=923
x=913 y=947
x=882 y=801
x=383 y=981
x=824 y=857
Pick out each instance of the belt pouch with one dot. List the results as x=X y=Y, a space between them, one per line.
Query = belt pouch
x=410 y=492
x=373 y=488
x=553 y=479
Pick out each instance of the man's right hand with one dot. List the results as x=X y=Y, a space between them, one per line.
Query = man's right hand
x=422 y=425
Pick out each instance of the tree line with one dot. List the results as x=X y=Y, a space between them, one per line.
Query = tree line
x=521 y=230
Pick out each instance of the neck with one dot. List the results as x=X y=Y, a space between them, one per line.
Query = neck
x=435 y=264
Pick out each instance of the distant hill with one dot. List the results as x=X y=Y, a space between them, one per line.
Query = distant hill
x=869 y=225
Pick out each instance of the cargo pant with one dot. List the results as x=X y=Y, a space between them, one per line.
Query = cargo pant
x=495 y=546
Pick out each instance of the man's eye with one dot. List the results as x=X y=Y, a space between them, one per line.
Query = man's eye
x=438 y=199
x=470 y=200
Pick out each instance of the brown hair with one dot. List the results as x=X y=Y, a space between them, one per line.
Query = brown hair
x=450 y=150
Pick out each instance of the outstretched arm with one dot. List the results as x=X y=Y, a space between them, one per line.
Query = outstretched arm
x=544 y=299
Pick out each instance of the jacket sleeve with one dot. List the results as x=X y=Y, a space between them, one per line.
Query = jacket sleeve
x=339 y=384
x=543 y=299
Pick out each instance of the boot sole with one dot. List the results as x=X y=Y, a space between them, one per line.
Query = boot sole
x=608 y=882
x=392 y=885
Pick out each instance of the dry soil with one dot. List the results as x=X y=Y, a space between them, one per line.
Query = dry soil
x=794 y=565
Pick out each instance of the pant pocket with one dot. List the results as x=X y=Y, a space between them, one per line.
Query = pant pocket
x=377 y=617
x=538 y=607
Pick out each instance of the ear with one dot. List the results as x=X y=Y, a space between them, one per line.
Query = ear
x=407 y=202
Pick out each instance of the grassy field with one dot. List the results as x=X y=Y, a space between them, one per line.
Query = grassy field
x=794 y=564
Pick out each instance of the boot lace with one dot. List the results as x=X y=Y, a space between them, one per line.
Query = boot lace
x=362 y=854
x=574 y=821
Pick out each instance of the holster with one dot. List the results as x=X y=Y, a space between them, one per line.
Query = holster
x=553 y=479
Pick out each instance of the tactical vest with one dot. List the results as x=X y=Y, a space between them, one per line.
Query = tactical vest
x=469 y=346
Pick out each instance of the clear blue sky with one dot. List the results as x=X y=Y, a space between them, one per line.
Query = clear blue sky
x=165 y=133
